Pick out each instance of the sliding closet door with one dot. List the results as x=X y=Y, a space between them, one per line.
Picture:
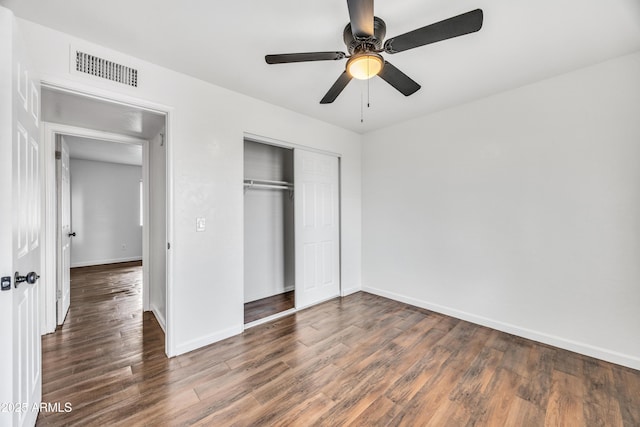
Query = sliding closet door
x=317 y=227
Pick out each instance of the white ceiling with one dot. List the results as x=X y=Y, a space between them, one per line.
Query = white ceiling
x=225 y=43
x=104 y=151
x=75 y=110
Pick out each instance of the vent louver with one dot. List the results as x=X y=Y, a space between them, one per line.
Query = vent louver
x=99 y=67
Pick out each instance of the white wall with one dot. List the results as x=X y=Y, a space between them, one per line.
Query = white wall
x=105 y=213
x=206 y=128
x=520 y=211
x=269 y=258
x=158 y=223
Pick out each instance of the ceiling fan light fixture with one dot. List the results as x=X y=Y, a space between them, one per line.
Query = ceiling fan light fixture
x=364 y=66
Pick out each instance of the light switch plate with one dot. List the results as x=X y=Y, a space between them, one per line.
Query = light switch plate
x=201 y=224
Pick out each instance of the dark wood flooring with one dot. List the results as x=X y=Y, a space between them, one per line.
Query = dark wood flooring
x=266 y=307
x=360 y=360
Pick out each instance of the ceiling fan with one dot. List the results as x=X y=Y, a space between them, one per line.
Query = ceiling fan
x=363 y=37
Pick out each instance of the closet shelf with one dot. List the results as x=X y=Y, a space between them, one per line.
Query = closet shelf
x=263 y=183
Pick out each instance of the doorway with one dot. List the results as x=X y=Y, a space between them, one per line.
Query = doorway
x=100 y=204
x=109 y=142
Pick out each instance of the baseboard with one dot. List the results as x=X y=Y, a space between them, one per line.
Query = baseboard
x=159 y=317
x=104 y=261
x=206 y=340
x=566 y=344
x=349 y=291
x=269 y=318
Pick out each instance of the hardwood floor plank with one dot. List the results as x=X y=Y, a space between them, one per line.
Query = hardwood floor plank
x=351 y=402
x=319 y=353
x=565 y=407
x=601 y=408
x=359 y=360
x=152 y=409
x=298 y=377
x=236 y=384
x=89 y=405
x=539 y=368
x=257 y=357
x=569 y=362
x=416 y=348
x=230 y=415
x=88 y=389
x=379 y=413
x=516 y=355
x=415 y=378
x=277 y=407
x=422 y=407
x=305 y=413
x=494 y=405
x=627 y=392
x=449 y=413
x=524 y=413
x=475 y=380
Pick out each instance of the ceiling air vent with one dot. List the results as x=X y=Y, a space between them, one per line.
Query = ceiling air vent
x=99 y=67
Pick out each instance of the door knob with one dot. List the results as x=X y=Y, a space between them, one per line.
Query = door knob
x=30 y=278
x=72 y=234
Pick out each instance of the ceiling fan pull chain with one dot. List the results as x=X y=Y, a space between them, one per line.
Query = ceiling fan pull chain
x=368 y=93
x=361 y=106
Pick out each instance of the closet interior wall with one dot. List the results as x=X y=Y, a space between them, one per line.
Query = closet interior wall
x=268 y=223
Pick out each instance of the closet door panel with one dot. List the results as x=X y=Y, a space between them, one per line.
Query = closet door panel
x=317 y=231
x=309 y=263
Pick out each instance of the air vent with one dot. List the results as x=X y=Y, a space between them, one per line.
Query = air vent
x=99 y=67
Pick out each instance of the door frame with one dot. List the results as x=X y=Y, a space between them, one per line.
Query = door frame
x=60 y=191
x=51 y=130
x=293 y=146
x=48 y=297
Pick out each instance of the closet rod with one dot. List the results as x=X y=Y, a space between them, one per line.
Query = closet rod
x=266 y=181
x=281 y=187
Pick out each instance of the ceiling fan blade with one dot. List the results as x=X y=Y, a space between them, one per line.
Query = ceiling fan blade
x=286 y=58
x=460 y=25
x=337 y=88
x=398 y=79
x=361 y=15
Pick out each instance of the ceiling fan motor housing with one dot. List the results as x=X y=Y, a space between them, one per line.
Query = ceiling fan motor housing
x=365 y=44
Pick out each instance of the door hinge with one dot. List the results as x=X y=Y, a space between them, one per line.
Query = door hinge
x=58 y=294
x=168 y=245
x=58 y=155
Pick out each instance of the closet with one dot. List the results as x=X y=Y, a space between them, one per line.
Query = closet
x=269 y=261
x=291 y=229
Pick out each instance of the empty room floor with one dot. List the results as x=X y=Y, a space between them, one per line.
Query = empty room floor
x=358 y=360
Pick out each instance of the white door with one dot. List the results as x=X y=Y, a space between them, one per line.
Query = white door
x=63 y=289
x=317 y=227
x=20 y=387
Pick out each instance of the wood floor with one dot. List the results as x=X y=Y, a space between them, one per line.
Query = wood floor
x=360 y=360
x=266 y=307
